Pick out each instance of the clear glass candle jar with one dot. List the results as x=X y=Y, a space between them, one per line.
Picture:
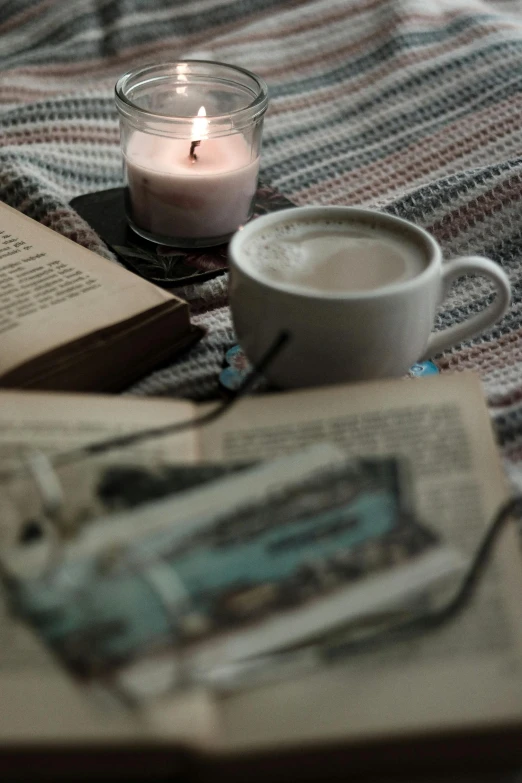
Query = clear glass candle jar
x=191 y=139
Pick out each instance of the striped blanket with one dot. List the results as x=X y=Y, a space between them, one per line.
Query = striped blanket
x=414 y=106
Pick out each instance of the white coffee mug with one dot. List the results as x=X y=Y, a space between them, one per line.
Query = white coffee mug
x=343 y=335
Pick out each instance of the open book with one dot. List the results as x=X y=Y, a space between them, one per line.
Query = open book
x=463 y=680
x=70 y=320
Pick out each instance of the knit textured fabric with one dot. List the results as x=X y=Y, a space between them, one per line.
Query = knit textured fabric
x=411 y=106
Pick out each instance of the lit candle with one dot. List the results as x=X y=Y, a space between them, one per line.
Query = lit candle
x=191 y=138
x=197 y=188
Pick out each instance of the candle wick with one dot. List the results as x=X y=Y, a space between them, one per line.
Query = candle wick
x=192 y=155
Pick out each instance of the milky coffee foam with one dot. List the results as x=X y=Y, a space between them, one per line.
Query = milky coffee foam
x=333 y=256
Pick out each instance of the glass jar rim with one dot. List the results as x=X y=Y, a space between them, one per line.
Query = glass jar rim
x=251 y=111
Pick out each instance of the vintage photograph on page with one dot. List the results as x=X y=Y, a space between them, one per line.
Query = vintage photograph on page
x=251 y=563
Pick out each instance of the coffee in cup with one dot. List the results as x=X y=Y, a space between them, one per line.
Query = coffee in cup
x=357 y=291
x=324 y=256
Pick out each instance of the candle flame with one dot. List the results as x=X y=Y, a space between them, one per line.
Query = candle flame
x=200 y=125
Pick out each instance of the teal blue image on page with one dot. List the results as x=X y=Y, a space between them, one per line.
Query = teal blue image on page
x=303 y=542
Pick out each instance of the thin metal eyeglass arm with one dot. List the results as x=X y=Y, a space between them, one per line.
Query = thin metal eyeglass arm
x=157 y=432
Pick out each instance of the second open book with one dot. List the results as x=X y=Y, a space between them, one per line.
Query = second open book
x=463 y=675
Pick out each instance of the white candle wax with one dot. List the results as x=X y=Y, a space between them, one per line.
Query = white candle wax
x=174 y=196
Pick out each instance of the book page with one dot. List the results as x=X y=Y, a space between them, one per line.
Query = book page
x=53 y=291
x=31 y=683
x=36 y=422
x=467 y=672
x=58 y=422
x=432 y=423
x=41 y=703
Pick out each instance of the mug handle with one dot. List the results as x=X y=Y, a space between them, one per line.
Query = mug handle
x=471 y=265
